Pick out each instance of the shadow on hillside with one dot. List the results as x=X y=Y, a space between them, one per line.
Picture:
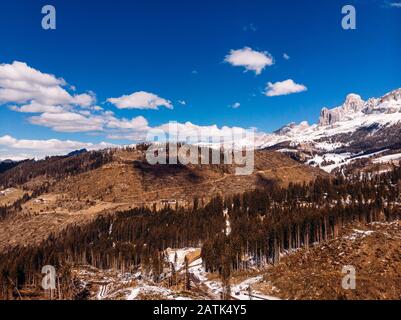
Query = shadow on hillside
x=162 y=171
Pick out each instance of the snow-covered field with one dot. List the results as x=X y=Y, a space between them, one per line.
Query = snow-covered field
x=358 y=234
x=337 y=160
x=388 y=159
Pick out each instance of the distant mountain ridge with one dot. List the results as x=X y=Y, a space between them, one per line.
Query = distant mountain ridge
x=76 y=152
x=7 y=164
x=356 y=127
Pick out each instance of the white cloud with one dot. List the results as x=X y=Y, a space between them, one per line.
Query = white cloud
x=21 y=84
x=182 y=102
x=286 y=56
x=284 y=88
x=32 y=91
x=191 y=129
x=21 y=73
x=249 y=59
x=137 y=124
x=69 y=122
x=35 y=107
x=183 y=131
x=86 y=121
x=236 y=105
x=84 y=100
x=26 y=90
x=122 y=129
x=140 y=100
x=22 y=149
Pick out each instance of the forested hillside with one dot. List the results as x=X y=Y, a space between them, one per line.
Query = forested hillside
x=262 y=224
x=53 y=167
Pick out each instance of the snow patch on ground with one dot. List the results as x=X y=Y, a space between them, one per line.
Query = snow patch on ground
x=337 y=160
x=388 y=159
x=241 y=291
x=359 y=234
x=147 y=289
x=181 y=254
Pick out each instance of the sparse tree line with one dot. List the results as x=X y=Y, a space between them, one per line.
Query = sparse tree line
x=264 y=224
x=8 y=210
x=54 y=167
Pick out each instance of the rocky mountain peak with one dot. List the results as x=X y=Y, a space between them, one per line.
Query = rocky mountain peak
x=394 y=95
x=285 y=129
x=353 y=103
x=291 y=127
x=356 y=122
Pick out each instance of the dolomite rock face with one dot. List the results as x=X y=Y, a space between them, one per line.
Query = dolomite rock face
x=325 y=118
x=354 y=107
x=354 y=129
x=352 y=104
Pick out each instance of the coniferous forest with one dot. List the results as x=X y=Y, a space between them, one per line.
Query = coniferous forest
x=264 y=223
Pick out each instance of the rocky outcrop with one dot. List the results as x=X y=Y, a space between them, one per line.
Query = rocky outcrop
x=352 y=104
x=357 y=126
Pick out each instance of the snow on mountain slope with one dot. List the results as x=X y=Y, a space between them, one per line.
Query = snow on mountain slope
x=355 y=128
x=351 y=116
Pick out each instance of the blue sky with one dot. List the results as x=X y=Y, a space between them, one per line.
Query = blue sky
x=176 y=50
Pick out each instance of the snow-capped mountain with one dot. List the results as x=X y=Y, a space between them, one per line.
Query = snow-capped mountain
x=354 y=129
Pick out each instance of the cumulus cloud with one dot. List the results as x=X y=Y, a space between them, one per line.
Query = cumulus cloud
x=69 y=121
x=140 y=100
x=21 y=84
x=284 y=88
x=18 y=149
x=197 y=132
x=286 y=56
x=27 y=90
x=21 y=74
x=184 y=132
x=34 y=107
x=236 y=105
x=249 y=59
x=86 y=121
x=137 y=124
x=84 y=100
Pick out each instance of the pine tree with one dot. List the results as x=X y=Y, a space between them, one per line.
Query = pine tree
x=187 y=275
